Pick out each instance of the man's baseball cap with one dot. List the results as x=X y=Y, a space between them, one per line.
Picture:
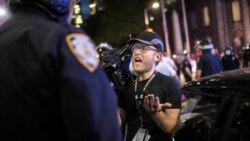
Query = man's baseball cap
x=148 y=38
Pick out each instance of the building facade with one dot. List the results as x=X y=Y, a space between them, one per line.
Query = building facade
x=221 y=21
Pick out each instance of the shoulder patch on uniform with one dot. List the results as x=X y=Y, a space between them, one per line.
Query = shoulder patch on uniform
x=83 y=49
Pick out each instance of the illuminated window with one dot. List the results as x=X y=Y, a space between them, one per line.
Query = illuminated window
x=236 y=11
x=206 y=18
x=77 y=18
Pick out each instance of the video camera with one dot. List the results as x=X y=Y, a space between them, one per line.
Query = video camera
x=116 y=65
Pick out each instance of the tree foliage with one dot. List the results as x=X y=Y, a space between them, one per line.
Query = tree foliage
x=120 y=19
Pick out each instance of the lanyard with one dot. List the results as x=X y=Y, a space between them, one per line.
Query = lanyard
x=138 y=98
x=145 y=87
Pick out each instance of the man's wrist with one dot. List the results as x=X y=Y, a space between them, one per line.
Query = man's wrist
x=154 y=112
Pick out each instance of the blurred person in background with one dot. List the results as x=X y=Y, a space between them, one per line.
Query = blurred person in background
x=215 y=52
x=167 y=66
x=186 y=67
x=208 y=63
x=246 y=55
x=229 y=60
x=169 y=60
x=51 y=87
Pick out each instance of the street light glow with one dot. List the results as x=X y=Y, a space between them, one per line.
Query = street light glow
x=2 y=12
x=92 y=5
x=155 y=5
x=151 y=18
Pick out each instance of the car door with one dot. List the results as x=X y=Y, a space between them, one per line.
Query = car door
x=200 y=116
x=238 y=123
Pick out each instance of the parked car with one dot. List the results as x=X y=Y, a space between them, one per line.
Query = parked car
x=216 y=108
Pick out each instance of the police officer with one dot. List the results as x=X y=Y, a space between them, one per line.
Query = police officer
x=51 y=88
x=246 y=55
x=208 y=64
x=229 y=60
x=186 y=67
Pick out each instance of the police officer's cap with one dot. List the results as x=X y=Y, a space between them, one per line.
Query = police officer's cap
x=205 y=45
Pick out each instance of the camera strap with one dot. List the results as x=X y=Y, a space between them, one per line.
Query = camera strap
x=139 y=97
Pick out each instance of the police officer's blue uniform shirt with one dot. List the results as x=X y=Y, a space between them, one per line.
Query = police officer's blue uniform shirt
x=51 y=88
x=209 y=64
